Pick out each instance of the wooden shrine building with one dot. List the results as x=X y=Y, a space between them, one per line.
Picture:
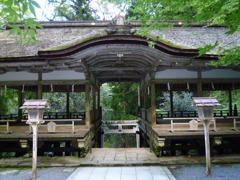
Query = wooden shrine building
x=81 y=56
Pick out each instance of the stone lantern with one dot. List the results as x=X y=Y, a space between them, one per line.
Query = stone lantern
x=205 y=106
x=35 y=118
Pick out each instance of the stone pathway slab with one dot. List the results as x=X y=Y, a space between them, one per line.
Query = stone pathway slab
x=120 y=156
x=122 y=173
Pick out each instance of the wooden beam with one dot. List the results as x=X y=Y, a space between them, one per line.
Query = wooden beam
x=55 y=82
x=120 y=76
x=124 y=131
x=120 y=69
x=185 y=81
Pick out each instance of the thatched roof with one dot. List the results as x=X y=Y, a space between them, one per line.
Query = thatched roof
x=61 y=35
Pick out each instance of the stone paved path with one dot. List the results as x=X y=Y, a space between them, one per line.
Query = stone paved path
x=122 y=173
x=121 y=156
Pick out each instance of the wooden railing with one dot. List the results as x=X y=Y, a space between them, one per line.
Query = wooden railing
x=176 y=122
x=217 y=113
x=47 y=115
x=5 y=125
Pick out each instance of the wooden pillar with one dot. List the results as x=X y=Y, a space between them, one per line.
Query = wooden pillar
x=137 y=137
x=199 y=84
x=146 y=98
x=87 y=104
x=230 y=102
x=139 y=97
x=171 y=103
x=102 y=140
x=68 y=104
x=98 y=99
x=40 y=87
x=20 y=102
x=94 y=98
x=199 y=89
x=94 y=103
x=145 y=103
x=153 y=103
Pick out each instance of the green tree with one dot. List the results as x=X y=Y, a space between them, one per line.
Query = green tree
x=121 y=100
x=72 y=10
x=215 y=12
x=182 y=101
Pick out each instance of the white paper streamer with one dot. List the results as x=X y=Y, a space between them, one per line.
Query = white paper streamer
x=213 y=86
x=51 y=88
x=168 y=85
x=73 y=88
x=188 y=87
x=23 y=88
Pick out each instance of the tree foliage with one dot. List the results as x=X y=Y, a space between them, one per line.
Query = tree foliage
x=121 y=101
x=182 y=101
x=12 y=11
x=58 y=100
x=72 y=10
x=215 y=12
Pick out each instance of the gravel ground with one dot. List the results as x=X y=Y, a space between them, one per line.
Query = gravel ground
x=198 y=172
x=57 y=173
x=184 y=172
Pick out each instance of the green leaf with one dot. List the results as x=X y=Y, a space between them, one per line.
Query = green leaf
x=24 y=7
x=35 y=4
x=32 y=9
x=205 y=49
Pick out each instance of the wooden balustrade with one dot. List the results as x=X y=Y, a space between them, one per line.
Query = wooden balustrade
x=166 y=114
x=47 y=115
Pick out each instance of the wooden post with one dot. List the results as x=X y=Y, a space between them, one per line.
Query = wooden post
x=171 y=103
x=145 y=103
x=139 y=97
x=98 y=99
x=199 y=89
x=102 y=140
x=40 y=87
x=87 y=104
x=94 y=103
x=199 y=84
x=153 y=103
x=20 y=94
x=230 y=102
x=94 y=98
x=137 y=137
x=68 y=104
